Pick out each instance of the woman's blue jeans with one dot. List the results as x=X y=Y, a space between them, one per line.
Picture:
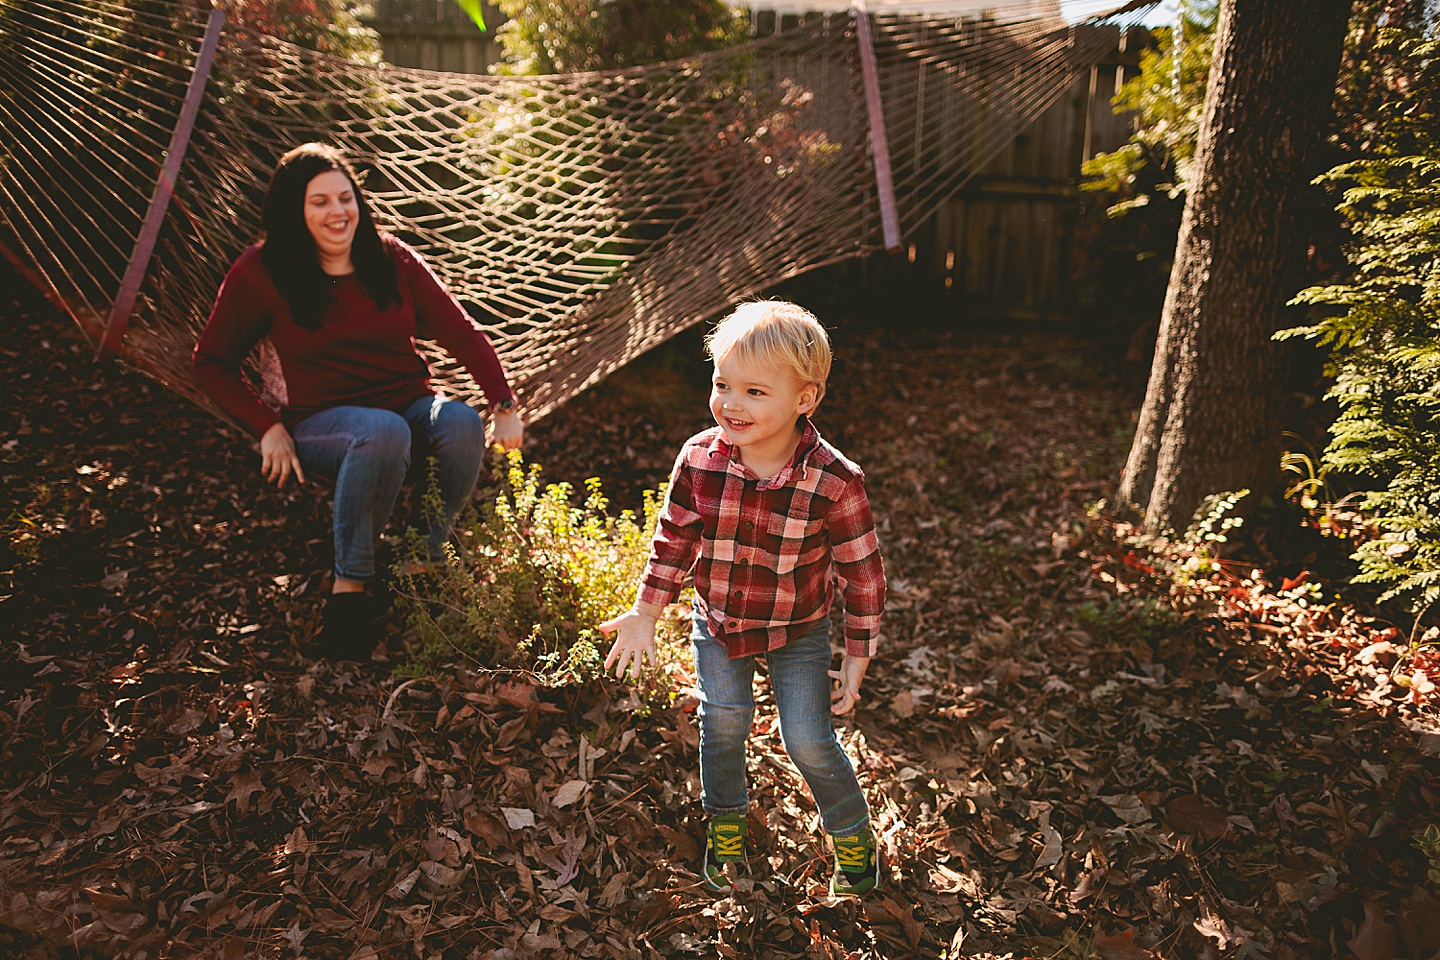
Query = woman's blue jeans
x=800 y=680
x=368 y=451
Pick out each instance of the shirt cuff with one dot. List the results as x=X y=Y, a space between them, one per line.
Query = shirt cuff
x=651 y=610
x=652 y=600
x=862 y=646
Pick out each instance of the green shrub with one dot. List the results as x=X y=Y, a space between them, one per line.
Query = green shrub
x=527 y=579
x=1382 y=330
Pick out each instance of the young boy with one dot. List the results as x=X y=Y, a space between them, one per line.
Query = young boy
x=767 y=515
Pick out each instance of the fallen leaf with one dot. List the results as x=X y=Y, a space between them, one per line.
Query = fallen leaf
x=615 y=891
x=243 y=786
x=569 y=792
x=518 y=817
x=1377 y=934
x=1121 y=946
x=1128 y=808
x=1192 y=815
x=189 y=721
x=1054 y=848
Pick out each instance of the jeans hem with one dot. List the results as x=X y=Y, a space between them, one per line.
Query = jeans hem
x=851 y=831
x=711 y=811
x=345 y=576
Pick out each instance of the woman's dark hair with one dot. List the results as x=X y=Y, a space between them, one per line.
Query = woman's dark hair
x=288 y=251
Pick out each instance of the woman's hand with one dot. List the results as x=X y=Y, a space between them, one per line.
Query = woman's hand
x=278 y=458
x=851 y=674
x=507 y=429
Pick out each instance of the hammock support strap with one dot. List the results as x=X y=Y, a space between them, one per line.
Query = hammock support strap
x=879 y=139
x=164 y=190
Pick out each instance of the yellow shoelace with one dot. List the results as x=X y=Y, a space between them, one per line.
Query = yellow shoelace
x=727 y=842
x=852 y=854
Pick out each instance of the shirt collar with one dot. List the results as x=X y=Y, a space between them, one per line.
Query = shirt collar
x=799 y=461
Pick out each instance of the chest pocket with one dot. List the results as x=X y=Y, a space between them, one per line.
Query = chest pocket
x=795 y=540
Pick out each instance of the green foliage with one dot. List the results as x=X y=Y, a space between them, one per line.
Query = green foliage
x=1133 y=196
x=1166 y=98
x=1428 y=843
x=568 y=36
x=1214 y=520
x=1125 y=260
x=1198 y=552
x=1381 y=327
x=326 y=26
x=526 y=581
x=1146 y=621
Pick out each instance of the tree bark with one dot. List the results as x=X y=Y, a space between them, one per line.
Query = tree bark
x=1212 y=414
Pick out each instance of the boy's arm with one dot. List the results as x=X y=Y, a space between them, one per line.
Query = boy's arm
x=675 y=546
x=673 y=550
x=856 y=551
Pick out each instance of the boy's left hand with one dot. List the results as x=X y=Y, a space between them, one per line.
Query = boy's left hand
x=850 y=675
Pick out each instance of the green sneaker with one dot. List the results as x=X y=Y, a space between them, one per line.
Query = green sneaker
x=724 y=843
x=856 y=865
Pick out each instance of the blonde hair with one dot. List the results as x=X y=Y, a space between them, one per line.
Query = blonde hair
x=775 y=332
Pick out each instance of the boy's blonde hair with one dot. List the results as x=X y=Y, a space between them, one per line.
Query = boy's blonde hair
x=775 y=332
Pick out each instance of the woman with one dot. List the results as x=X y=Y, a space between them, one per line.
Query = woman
x=335 y=307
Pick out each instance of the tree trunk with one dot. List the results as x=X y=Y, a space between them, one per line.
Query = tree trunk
x=1212 y=414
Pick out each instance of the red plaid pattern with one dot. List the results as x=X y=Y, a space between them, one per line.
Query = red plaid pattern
x=763 y=551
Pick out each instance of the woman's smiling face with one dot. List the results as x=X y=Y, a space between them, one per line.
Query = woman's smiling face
x=331 y=214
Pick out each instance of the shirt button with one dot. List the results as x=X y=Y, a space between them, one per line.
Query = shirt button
x=749 y=524
x=743 y=562
x=739 y=594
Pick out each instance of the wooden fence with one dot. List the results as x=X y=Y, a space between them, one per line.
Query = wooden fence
x=1005 y=244
x=1002 y=247
x=436 y=35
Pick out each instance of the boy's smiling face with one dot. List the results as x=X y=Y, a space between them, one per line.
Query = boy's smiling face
x=757 y=404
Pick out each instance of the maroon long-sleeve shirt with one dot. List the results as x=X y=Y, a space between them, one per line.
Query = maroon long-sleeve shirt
x=360 y=355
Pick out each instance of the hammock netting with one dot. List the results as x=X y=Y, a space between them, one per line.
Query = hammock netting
x=582 y=219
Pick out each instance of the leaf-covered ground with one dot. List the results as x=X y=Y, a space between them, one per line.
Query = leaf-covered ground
x=1068 y=754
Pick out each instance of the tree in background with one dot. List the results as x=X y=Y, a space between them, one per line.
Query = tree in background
x=1211 y=418
x=1133 y=197
x=1382 y=326
x=326 y=26
x=566 y=36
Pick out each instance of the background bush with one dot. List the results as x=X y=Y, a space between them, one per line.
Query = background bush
x=1382 y=326
x=528 y=577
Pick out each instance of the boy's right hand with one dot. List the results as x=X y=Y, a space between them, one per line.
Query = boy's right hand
x=634 y=641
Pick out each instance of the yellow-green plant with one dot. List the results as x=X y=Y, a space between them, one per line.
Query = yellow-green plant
x=526 y=580
x=1428 y=843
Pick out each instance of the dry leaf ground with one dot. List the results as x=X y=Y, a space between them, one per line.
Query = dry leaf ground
x=1068 y=756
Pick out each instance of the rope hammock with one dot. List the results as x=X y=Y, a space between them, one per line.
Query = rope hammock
x=582 y=219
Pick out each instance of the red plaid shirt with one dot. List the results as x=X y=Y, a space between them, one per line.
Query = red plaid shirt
x=763 y=551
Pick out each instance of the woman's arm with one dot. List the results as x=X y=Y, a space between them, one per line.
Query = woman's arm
x=239 y=319
x=439 y=317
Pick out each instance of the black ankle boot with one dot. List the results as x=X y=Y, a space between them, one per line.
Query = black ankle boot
x=349 y=629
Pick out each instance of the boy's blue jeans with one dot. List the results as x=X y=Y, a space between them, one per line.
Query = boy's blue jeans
x=367 y=452
x=799 y=677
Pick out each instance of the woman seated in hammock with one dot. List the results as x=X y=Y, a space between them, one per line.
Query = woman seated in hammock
x=336 y=306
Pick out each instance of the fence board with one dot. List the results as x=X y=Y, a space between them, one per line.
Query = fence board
x=435 y=35
x=1003 y=245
